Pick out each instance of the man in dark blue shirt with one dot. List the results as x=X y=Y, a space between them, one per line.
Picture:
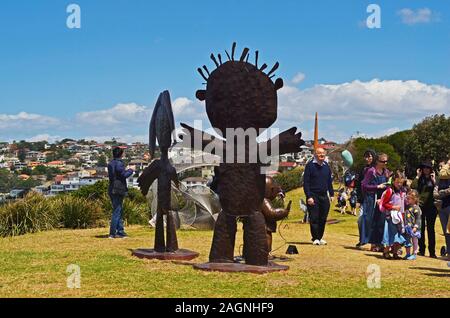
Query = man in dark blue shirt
x=318 y=186
x=116 y=171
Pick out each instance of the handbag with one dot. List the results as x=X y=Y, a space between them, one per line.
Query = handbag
x=119 y=188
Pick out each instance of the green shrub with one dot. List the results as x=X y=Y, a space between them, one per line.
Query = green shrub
x=79 y=213
x=30 y=215
x=290 y=180
x=94 y=191
x=86 y=208
x=136 y=196
x=135 y=213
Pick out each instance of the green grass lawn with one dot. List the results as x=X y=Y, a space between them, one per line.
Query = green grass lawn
x=35 y=266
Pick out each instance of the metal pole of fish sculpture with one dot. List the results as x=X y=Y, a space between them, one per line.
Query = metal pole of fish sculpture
x=162 y=126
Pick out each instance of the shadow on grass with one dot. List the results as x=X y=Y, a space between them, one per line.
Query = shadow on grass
x=435 y=272
x=354 y=248
x=432 y=269
x=439 y=275
x=103 y=236
x=380 y=256
x=299 y=243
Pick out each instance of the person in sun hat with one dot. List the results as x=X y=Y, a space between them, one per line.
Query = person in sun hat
x=424 y=183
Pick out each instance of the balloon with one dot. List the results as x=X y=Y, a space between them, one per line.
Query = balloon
x=348 y=158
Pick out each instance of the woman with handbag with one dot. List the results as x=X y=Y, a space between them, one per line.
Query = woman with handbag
x=117 y=191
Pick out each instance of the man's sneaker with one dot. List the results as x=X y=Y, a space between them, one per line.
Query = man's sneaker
x=121 y=236
x=316 y=242
x=411 y=257
x=323 y=242
x=111 y=237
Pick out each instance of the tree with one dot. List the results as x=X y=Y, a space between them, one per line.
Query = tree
x=21 y=156
x=40 y=170
x=27 y=171
x=360 y=145
x=428 y=140
x=399 y=141
x=102 y=161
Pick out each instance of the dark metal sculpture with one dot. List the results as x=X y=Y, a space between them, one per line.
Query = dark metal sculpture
x=240 y=95
x=271 y=214
x=161 y=128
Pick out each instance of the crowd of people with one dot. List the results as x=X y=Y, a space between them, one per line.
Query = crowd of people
x=396 y=213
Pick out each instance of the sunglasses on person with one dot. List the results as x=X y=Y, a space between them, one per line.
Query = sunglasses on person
x=383 y=161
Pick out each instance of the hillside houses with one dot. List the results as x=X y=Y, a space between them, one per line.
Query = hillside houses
x=69 y=165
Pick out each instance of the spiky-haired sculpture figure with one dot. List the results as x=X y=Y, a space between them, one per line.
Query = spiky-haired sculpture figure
x=240 y=95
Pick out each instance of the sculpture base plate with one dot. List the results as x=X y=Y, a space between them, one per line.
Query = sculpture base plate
x=241 y=268
x=179 y=255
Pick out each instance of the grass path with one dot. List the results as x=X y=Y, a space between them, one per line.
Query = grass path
x=35 y=266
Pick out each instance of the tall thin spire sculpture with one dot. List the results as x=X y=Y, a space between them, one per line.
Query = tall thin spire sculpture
x=316 y=132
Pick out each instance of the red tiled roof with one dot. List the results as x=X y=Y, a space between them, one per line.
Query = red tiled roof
x=55 y=163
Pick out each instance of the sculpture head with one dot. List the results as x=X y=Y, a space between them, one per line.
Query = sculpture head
x=162 y=124
x=273 y=189
x=239 y=94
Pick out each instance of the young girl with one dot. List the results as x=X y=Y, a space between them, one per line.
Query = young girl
x=392 y=204
x=342 y=200
x=413 y=220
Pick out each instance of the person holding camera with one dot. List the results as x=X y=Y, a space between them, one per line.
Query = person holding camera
x=117 y=191
x=424 y=183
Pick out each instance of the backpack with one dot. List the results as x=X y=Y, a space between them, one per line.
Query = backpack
x=349 y=179
x=380 y=204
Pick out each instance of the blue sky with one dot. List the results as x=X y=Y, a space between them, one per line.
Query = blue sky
x=103 y=79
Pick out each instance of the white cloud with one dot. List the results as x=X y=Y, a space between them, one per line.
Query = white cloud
x=298 y=78
x=127 y=138
x=44 y=137
x=132 y=113
x=371 y=102
x=411 y=17
x=28 y=121
x=186 y=109
x=121 y=113
x=371 y=107
x=385 y=132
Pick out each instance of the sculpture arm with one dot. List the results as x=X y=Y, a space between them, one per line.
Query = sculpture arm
x=287 y=142
x=199 y=140
x=272 y=214
x=148 y=176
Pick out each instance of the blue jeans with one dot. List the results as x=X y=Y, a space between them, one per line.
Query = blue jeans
x=444 y=215
x=391 y=234
x=366 y=219
x=116 y=219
